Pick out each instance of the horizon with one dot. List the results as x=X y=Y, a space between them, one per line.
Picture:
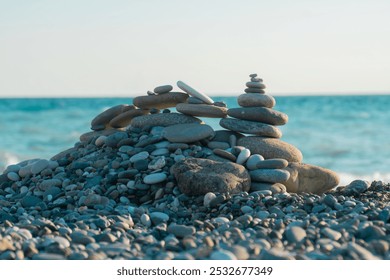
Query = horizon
x=94 y=48
x=291 y=94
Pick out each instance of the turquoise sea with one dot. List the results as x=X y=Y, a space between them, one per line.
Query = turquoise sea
x=348 y=134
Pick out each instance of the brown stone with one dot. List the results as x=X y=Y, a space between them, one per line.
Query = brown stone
x=197 y=176
x=202 y=110
x=271 y=148
x=161 y=101
x=102 y=120
x=310 y=178
x=125 y=118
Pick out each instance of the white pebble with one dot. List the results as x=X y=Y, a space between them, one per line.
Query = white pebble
x=243 y=156
x=145 y=220
x=208 y=197
x=100 y=140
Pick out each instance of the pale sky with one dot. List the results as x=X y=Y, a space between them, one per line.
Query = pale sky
x=55 y=48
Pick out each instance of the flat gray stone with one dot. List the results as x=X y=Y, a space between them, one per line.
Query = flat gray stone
x=202 y=110
x=259 y=114
x=276 y=163
x=254 y=90
x=161 y=101
x=256 y=100
x=163 y=120
x=255 y=85
x=250 y=127
x=187 y=133
x=155 y=178
x=269 y=175
x=271 y=148
x=163 y=89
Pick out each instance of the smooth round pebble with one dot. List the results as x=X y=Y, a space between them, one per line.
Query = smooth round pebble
x=155 y=178
x=253 y=160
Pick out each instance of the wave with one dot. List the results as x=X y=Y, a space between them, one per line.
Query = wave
x=346 y=178
x=7 y=158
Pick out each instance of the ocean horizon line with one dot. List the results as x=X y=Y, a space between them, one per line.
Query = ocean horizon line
x=110 y=96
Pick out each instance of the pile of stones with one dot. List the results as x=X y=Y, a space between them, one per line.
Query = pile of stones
x=152 y=184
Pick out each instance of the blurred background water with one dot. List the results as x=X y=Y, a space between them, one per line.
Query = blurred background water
x=348 y=134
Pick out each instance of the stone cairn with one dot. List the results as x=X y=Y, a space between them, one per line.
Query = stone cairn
x=180 y=147
x=256 y=117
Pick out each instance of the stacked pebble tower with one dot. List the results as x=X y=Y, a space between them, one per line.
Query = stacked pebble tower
x=256 y=117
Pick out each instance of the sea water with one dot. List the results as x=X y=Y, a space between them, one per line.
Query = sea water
x=348 y=134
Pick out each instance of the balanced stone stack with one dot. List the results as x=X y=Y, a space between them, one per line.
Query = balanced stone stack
x=282 y=168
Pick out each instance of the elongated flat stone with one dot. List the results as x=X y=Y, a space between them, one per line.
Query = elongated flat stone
x=277 y=163
x=102 y=120
x=125 y=118
x=270 y=175
x=255 y=85
x=202 y=110
x=187 y=133
x=161 y=101
x=256 y=100
x=162 y=120
x=254 y=90
x=271 y=148
x=259 y=114
x=194 y=92
x=250 y=127
x=225 y=154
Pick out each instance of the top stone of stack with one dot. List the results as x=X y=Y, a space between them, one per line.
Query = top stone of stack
x=199 y=104
x=161 y=98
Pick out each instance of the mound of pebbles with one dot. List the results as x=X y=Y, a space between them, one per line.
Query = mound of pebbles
x=116 y=195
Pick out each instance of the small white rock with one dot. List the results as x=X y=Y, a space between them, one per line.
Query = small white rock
x=100 y=140
x=243 y=156
x=145 y=220
x=208 y=197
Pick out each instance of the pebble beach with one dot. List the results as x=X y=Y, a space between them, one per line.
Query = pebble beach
x=149 y=183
